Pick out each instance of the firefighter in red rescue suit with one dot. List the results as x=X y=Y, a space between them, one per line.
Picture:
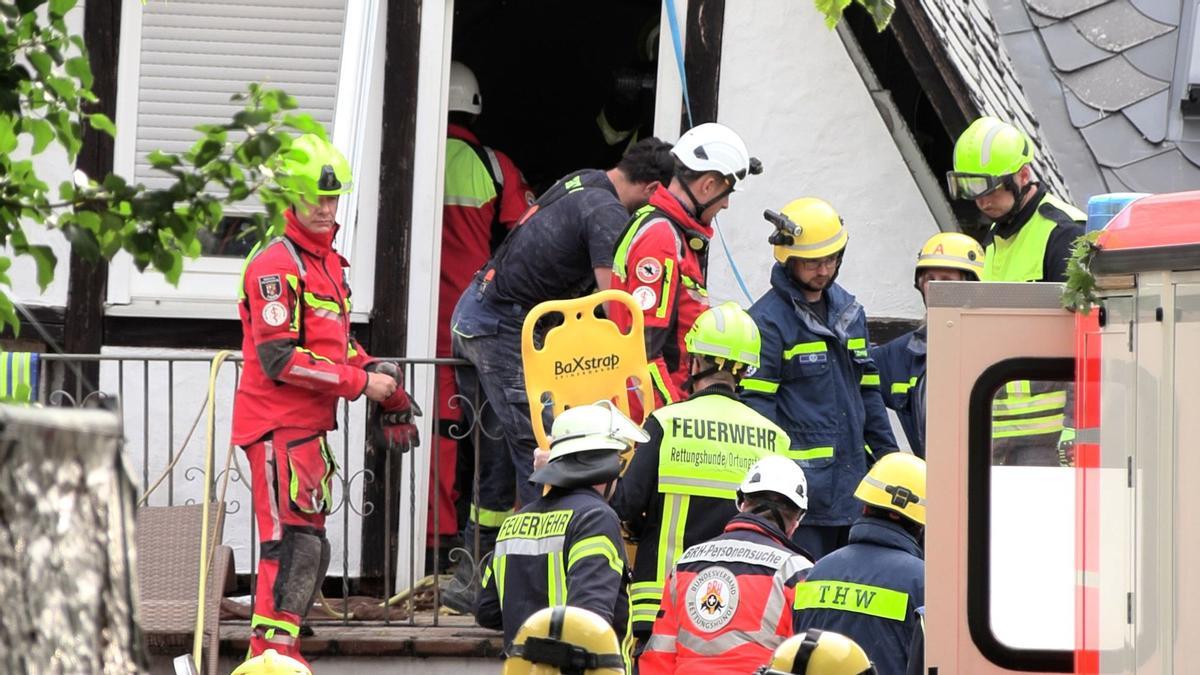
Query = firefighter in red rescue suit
x=300 y=360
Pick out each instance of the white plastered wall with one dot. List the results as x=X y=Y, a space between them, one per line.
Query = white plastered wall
x=790 y=90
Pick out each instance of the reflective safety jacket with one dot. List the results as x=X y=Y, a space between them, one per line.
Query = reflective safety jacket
x=662 y=261
x=726 y=604
x=817 y=381
x=1035 y=245
x=681 y=486
x=299 y=355
x=901 y=364
x=869 y=591
x=484 y=196
x=563 y=549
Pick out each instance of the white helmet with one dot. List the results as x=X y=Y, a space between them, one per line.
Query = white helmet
x=778 y=474
x=464 y=90
x=599 y=426
x=715 y=147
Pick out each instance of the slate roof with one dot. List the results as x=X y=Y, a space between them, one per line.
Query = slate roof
x=971 y=41
x=1104 y=80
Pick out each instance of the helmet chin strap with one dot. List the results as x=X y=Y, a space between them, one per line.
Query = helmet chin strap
x=1010 y=184
x=702 y=207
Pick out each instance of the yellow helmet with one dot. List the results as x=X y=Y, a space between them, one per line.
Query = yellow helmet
x=807 y=228
x=896 y=483
x=567 y=640
x=271 y=662
x=819 y=652
x=951 y=250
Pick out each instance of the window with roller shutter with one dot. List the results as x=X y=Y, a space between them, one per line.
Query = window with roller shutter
x=181 y=62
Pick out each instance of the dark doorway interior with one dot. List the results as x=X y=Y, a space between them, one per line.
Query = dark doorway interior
x=896 y=74
x=548 y=68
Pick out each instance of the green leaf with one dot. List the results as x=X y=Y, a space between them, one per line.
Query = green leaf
x=8 y=136
x=881 y=12
x=1079 y=292
x=162 y=161
x=84 y=242
x=46 y=260
x=79 y=68
x=64 y=88
x=304 y=124
x=8 y=316
x=101 y=122
x=61 y=7
x=832 y=9
x=40 y=61
x=88 y=219
x=41 y=131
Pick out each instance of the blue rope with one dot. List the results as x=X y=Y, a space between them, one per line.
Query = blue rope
x=673 y=20
x=737 y=274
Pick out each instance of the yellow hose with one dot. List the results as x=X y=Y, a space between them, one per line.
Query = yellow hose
x=198 y=639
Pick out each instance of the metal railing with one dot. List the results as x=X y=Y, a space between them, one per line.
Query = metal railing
x=160 y=397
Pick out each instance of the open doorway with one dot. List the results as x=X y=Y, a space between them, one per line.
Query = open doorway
x=548 y=69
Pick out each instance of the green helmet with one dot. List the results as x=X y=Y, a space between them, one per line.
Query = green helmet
x=314 y=158
x=986 y=154
x=727 y=334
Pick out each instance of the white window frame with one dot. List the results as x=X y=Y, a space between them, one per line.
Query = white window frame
x=356 y=111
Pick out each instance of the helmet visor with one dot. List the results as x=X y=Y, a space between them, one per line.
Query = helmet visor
x=971 y=185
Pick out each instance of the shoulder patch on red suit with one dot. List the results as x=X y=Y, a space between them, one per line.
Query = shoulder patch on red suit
x=274 y=314
x=269 y=287
x=649 y=270
x=646 y=297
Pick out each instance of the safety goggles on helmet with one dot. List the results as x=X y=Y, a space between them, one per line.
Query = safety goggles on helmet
x=973 y=185
x=600 y=426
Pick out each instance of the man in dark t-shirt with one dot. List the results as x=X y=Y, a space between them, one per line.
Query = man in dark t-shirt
x=561 y=248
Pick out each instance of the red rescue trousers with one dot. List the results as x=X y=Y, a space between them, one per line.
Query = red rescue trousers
x=291 y=473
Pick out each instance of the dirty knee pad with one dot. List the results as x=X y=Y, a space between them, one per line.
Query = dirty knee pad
x=303 y=559
x=326 y=555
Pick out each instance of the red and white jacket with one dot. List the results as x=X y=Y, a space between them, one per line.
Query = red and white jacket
x=662 y=261
x=727 y=604
x=299 y=355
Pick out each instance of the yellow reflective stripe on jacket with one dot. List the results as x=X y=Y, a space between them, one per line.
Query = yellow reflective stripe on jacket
x=467 y=181
x=286 y=626
x=753 y=384
x=17 y=377
x=668 y=269
x=597 y=545
x=318 y=303
x=556 y=580
x=1027 y=427
x=646 y=598
x=659 y=383
x=670 y=548
x=805 y=348
x=844 y=596
x=870 y=380
x=501 y=566
x=621 y=257
x=856 y=343
x=488 y=517
x=810 y=453
x=903 y=387
x=294 y=283
x=692 y=284
x=1021 y=404
x=314 y=355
